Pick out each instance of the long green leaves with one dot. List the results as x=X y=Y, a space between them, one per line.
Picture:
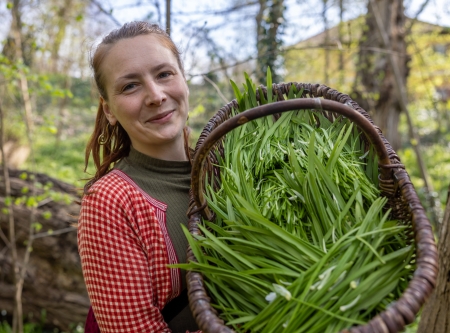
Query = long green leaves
x=301 y=242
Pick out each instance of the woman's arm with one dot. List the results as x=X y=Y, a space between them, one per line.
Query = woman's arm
x=123 y=259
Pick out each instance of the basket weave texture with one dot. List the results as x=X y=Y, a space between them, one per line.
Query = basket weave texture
x=395 y=184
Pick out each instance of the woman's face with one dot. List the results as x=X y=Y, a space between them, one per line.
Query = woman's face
x=147 y=94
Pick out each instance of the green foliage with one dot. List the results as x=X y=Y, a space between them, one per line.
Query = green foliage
x=303 y=189
x=437 y=159
x=37 y=226
x=47 y=215
x=204 y=103
x=39 y=327
x=63 y=160
x=412 y=328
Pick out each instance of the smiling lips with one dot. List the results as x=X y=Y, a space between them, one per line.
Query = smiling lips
x=161 y=118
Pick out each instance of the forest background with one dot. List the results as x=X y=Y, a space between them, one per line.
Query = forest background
x=48 y=101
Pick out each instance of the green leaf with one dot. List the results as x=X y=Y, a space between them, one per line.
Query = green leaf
x=52 y=129
x=262 y=98
x=193 y=244
x=303 y=246
x=269 y=85
x=31 y=202
x=237 y=260
x=237 y=92
x=37 y=226
x=251 y=91
x=8 y=201
x=47 y=215
x=292 y=92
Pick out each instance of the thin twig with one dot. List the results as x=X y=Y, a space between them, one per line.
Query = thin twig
x=414 y=20
x=186 y=48
x=107 y=13
x=54 y=233
x=216 y=87
x=223 y=67
x=218 y=12
x=374 y=49
x=158 y=11
x=44 y=202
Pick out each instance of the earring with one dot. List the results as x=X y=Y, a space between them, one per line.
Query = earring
x=105 y=136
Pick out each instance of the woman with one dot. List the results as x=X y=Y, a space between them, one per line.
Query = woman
x=132 y=209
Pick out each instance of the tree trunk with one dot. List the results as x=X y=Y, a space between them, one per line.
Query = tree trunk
x=62 y=21
x=435 y=316
x=341 y=35
x=375 y=84
x=326 y=42
x=54 y=281
x=268 y=25
x=260 y=33
x=168 y=12
x=17 y=325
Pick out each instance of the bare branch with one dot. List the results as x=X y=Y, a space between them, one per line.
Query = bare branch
x=219 y=12
x=216 y=87
x=4 y=238
x=221 y=68
x=414 y=20
x=186 y=48
x=54 y=233
x=158 y=11
x=337 y=48
x=106 y=12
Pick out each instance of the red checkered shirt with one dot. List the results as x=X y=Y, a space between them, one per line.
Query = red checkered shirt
x=125 y=249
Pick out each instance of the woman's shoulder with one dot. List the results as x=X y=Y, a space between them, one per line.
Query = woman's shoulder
x=111 y=182
x=117 y=189
x=112 y=186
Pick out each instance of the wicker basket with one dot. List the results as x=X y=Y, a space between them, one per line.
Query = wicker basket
x=394 y=184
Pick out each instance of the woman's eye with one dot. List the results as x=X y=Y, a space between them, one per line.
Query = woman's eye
x=165 y=74
x=129 y=86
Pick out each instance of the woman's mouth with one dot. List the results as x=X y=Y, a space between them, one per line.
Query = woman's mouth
x=161 y=118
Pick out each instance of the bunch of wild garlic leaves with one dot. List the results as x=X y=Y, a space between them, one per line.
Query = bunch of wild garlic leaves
x=300 y=242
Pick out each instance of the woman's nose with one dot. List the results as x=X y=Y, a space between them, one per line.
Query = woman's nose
x=155 y=94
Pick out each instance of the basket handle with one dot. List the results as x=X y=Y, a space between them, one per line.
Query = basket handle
x=269 y=109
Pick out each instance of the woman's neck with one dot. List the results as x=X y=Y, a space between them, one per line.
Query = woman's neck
x=174 y=152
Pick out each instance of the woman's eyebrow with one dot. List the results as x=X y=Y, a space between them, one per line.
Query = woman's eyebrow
x=128 y=76
x=163 y=65
x=154 y=69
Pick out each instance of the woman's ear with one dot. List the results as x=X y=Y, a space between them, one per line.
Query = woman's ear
x=109 y=115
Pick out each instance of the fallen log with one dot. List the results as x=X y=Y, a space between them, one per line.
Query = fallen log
x=53 y=280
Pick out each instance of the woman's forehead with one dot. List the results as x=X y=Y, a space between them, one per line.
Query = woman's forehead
x=147 y=44
x=138 y=51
